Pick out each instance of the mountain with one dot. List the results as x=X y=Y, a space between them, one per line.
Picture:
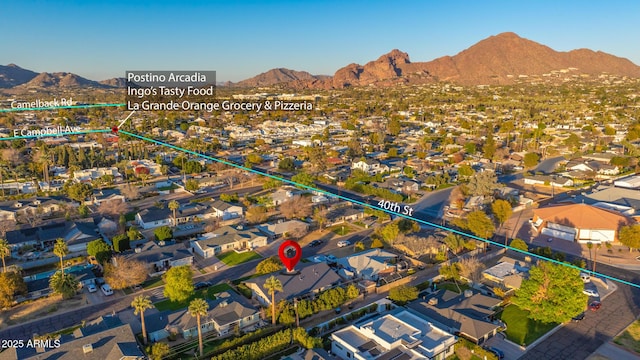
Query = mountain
x=500 y=59
x=60 y=79
x=276 y=76
x=12 y=75
x=115 y=82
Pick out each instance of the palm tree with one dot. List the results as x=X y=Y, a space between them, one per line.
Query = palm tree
x=590 y=246
x=273 y=284
x=198 y=307
x=5 y=250
x=61 y=250
x=141 y=303
x=595 y=256
x=174 y=206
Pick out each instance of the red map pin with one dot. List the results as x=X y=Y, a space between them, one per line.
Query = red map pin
x=290 y=253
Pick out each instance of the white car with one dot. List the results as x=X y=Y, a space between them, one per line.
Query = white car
x=343 y=243
x=591 y=292
x=92 y=288
x=106 y=290
x=585 y=277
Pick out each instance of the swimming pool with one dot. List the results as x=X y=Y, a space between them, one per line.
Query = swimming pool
x=47 y=274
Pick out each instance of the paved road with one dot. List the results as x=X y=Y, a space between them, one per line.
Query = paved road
x=548 y=165
x=579 y=340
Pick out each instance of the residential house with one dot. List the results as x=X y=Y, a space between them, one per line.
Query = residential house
x=226 y=211
x=226 y=313
x=75 y=233
x=308 y=280
x=371 y=264
x=370 y=166
x=106 y=338
x=160 y=258
x=593 y=166
x=228 y=238
x=402 y=334
x=548 y=180
x=579 y=222
x=88 y=175
x=103 y=195
x=284 y=228
x=468 y=315
x=154 y=217
x=344 y=214
x=617 y=196
x=41 y=207
x=400 y=186
x=507 y=274
x=282 y=195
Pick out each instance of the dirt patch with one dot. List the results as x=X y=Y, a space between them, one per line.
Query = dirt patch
x=38 y=308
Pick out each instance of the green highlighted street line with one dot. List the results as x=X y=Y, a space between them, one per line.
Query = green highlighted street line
x=157 y=142
x=61 y=107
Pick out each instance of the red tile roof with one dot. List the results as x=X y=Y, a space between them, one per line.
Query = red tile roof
x=582 y=216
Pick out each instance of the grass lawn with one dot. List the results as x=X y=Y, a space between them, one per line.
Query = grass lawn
x=452 y=287
x=167 y=304
x=153 y=282
x=521 y=329
x=341 y=230
x=232 y=258
x=630 y=338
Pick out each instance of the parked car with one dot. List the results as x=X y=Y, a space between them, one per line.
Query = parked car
x=106 y=289
x=343 y=243
x=315 y=243
x=578 y=317
x=595 y=306
x=585 y=277
x=497 y=352
x=92 y=288
x=201 y=285
x=590 y=292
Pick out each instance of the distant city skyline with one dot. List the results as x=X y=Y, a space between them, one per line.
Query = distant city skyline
x=103 y=39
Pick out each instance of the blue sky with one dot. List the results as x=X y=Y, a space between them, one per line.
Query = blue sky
x=103 y=39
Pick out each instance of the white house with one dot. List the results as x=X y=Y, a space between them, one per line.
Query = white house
x=228 y=238
x=400 y=335
x=370 y=166
x=226 y=211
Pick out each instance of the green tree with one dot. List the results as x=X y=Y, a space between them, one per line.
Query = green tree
x=229 y=197
x=531 y=160
x=358 y=246
x=480 y=224
x=352 y=292
x=268 y=265
x=11 y=284
x=489 y=147
x=61 y=250
x=192 y=185
x=159 y=351
x=254 y=158
x=256 y=214
x=64 y=284
x=304 y=179
x=392 y=153
x=286 y=164
x=377 y=244
x=139 y=304
x=179 y=283
x=519 y=244
x=100 y=250
x=121 y=243
x=573 y=142
x=630 y=236
x=163 y=233
x=609 y=131
x=5 y=250
x=134 y=234
x=552 y=293
x=174 y=206
x=483 y=183
x=273 y=285
x=199 y=308
x=465 y=171
x=192 y=167
x=271 y=184
x=454 y=242
x=403 y=294
x=390 y=232
x=79 y=191
x=501 y=211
